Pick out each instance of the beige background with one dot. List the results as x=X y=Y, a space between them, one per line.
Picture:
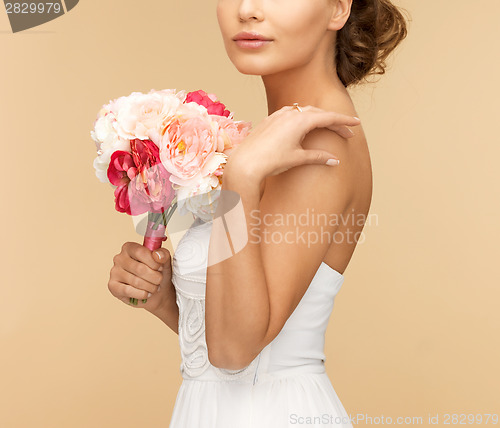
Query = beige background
x=415 y=329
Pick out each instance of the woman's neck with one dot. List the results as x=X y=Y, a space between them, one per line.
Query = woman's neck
x=307 y=85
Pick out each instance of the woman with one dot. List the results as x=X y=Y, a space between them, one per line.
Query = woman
x=250 y=293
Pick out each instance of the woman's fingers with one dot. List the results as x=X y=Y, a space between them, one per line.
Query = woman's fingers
x=128 y=301
x=282 y=132
x=136 y=303
x=341 y=117
x=136 y=275
x=328 y=119
x=319 y=157
x=143 y=272
x=343 y=131
x=313 y=117
x=142 y=254
x=319 y=118
x=123 y=291
x=309 y=156
x=138 y=282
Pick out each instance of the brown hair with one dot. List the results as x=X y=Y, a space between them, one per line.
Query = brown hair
x=372 y=31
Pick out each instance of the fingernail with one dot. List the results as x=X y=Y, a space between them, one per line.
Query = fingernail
x=355 y=117
x=160 y=269
x=149 y=295
x=351 y=131
x=332 y=162
x=159 y=254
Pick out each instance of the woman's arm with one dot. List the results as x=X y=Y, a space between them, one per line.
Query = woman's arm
x=250 y=295
x=167 y=310
x=237 y=301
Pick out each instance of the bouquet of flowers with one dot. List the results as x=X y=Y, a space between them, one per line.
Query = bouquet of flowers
x=165 y=149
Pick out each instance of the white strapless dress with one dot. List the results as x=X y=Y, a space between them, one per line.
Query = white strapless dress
x=284 y=386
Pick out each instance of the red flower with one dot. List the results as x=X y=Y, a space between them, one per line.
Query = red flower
x=209 y=101
x=142 y=181
x=121 y=168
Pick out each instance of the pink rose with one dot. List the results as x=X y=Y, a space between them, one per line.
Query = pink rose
x=231 y=133
x=186 y=148
x=209 y=101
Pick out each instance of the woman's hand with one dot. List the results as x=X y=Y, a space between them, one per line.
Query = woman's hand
x=138 y=271
x=274 y=146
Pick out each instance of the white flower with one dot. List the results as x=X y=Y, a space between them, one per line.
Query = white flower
x=101 y=162
x=103 y=129
x=107 y=141
x=201 y=198
x=143 y=116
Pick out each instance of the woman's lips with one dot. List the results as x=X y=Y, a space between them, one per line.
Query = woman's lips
x=252 y=43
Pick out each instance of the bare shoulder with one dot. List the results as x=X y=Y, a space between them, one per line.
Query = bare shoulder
x=354 y=171
x=338 y=191
x=357 y=169
x=357 y=177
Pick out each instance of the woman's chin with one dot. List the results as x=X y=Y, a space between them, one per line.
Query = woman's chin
x=252 y=69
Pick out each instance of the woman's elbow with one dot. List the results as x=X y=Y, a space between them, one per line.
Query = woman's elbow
x=228 y=360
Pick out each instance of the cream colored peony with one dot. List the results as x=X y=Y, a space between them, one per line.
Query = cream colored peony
x=201 y=198
x=144 y=115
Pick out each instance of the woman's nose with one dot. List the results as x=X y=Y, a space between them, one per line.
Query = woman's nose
x=250 y=9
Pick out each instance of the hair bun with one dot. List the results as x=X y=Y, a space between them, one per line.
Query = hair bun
x=372 y=31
